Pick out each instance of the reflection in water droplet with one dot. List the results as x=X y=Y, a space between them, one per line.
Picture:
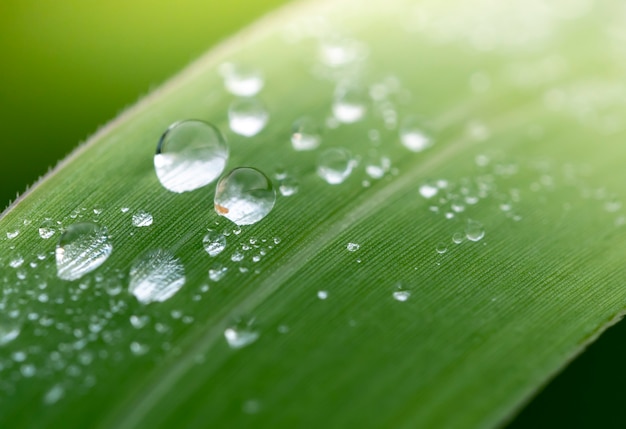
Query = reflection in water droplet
x=242 y=333
x=428 y=191
x=82 y=248
x=401 y=295
x=12 y=234
x=214 y=243
x=457 y=238
x=156 y=276
x=142 y=218
x=474 y=231
x=288 y=187
x=47 y=229
x=244 y=196
x=335 y=165
x=414 y=135
x=241 y=80
x=441 y=248
x=190 y=154
x=247 y=116
x=349 y=104
x=306 y=134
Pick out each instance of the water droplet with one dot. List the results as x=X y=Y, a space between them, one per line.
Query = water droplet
x=214 y=243
x=474 y=230
x=190 y=154
x=339 y=51
x=47 y=229
x=441 y=248
x=82 y=248
x=335 y=165
x=241 y=80
x=54 y=394
x=124 y=209
x=217 y=272
x=142 y=218
x=12 y=234
x=237 y=256
x=401 y=295
x=414 y=134
x=28 y=370
x=457 y=238
x=349 y=104
x=16 y=262
x=322 y=294
x=353 y=247
x=306 y=134
x=156 y=276
x=244 y=196
x=247 y=116
x=376 y=168
x=10 y=329
x=428 y=191
x=138 y=349
x=139 y=322
x=288 y=187
x=242 y=333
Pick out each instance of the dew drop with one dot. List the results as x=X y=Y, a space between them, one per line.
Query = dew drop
x=306 y=134
x=414 y=135
x=376 y=168
x=54 y=394
x=12 y=234
x=247 y=116
x=139 y=322
x=156 y=276
x=428 y=191
x=241 y=334
x=322 y=294
x=353 y=247
x=82 y=248
x=16 y=262
x=457 y=238
x=142 y=218
x=214 y=243
x=474 y=231
x=10 y=329
x=401 y=295
x=217 y=272
x=138 y=349
x=335 y=165
x=47 y=229
x=349 y=104
x=441 y=248
x=244 y=196
x=288 y=187
x=190 y=154
x=241 y=80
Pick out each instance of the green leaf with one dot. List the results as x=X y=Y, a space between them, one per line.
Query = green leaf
x=525 y=102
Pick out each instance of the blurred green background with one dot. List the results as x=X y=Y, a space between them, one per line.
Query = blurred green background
x=68 y=67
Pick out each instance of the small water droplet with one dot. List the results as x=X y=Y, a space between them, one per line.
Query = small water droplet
x=244 y=196
x=82 y=248
x=349 y=104
x=415 y=135
x=190 y=154
x=156 y=276
x=139 y=322
x=322 y=294
x=474 y=231
x=47 y=229
x=237 y=256
x=338 y=51
x=17 y=261
x=124 y=209
x=10 y=329
x=241 y=80
x=335 y=165
x=457 y=238
x=288 y=187
x=12 y=234
x=214 y=243
x=441 y=248
x=247 y=116
x=376 y=168
x=306 y=134
x=428 y=191
x=142 y=219
x=138 y=349
x=353 y=247
x=241 y=334
x=217 y=272
x=28 y=370
x=401 y=295
x=54 y=394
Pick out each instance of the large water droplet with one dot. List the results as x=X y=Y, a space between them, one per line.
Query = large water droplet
x=349 y=104
x=415 y=135
x=306 y=134
x=156 y=276
x=214 y=243
x=335 y=165
x=244 y=196
x=240 y=334
x=82 y=248
x=191 y=154
x=474 y=231
x=142 y=218
x=247 y=116
x=241 y=80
